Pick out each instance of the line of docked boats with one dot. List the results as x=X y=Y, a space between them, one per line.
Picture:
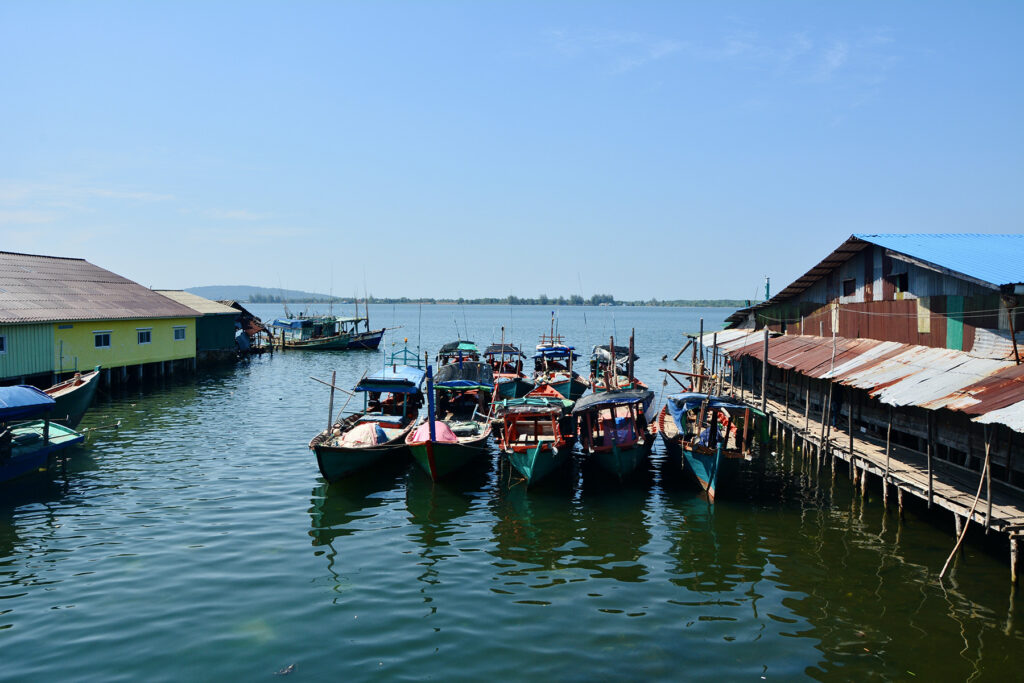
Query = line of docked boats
x=540 y=421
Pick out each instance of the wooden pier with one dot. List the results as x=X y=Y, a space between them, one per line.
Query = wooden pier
x=967 y=494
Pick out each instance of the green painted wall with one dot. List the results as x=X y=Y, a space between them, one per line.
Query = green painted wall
x=216 y=332
x=955 y=323
x=27 y=350
x=74 y=343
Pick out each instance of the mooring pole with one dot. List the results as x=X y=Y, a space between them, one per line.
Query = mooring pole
x=330 y=407
x=764 y=373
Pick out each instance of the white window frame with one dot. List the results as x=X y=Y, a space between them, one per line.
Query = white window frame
x=138 y=334
x=183 y=329
x=97 y=333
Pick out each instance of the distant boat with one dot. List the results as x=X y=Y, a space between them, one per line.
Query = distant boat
x=27 y=435
x=537 y=432
x=506 y=362
x=326 y=333
x=613 y=429
x=456 y=428
x=459 y=350
x=700 y=427
x=391 y=403
x=73 y=397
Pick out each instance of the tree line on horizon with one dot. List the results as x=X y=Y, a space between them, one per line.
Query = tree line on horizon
x=511 y=300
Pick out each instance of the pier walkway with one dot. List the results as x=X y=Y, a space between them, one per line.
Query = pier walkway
x=949 y=486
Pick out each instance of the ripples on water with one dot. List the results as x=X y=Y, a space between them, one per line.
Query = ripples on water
x=199 y=541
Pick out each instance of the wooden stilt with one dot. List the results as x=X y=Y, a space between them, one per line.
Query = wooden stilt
x=988 y=477
x=863 y=482
x=931 y=449
x=899 y=500
x=958 y=524
x=1013 y=560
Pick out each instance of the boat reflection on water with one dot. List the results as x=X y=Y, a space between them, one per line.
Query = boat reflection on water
x=334 y=506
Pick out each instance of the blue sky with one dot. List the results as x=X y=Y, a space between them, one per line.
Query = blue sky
x=643 y=149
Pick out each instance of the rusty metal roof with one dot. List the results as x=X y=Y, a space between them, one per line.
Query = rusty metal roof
x=991 y=391
x=50 y=289
x=198 y=303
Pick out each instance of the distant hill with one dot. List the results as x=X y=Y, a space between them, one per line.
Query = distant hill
x=256 y=294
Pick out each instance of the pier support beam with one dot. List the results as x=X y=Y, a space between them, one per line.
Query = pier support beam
x=958 y=524
x=899 y=500
x=1013 y=560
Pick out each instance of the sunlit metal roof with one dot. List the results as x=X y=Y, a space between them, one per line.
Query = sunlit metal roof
x=37 y=289
x=197 y=303
x=997 y=259
x=989 y=390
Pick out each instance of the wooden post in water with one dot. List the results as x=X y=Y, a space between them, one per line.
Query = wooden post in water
x=849 y=422
x=788 y=373
x=764 y=373
x=807 y=407
x=988 y=478
x=330 y=405
x=931 y=448
x=1013 y=559
x=888 y=446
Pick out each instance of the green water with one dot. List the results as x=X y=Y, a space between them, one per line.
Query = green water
x=199 y=542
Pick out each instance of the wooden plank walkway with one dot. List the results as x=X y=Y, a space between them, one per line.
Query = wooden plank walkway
x=952 y=488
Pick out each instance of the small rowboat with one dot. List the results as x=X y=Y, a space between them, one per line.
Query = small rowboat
x=73 y=397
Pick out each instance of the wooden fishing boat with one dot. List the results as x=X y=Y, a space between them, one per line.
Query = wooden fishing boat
x=456 y=351
x=612 y=369
x=712 y=433
x=27 y=436
x=553 y=367
x=506 y=363
x=538 y=432
x=327 y=333
x=456 y=428
x=73 y=397
x=613 y=430
x=391 y=403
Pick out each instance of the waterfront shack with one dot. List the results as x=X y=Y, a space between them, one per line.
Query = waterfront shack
x=216 y=325
x=899 y=354
x=60 y=315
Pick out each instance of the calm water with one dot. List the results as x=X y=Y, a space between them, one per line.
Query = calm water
x=198 y=541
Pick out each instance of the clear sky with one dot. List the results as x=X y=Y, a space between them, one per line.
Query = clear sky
x=643 y=149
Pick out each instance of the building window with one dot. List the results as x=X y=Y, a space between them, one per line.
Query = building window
x=899 y=282
x=3 y=344
x=179 y=333
x=101 y=340
x=849 y=287
x=145 y=335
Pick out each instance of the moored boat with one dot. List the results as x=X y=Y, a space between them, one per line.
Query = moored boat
x=613 y=430
x=507 y=364
x=456 y=428
x=461 y=350
x=537 y=432
x=27 y=435
x=327 y=333
x=73 y=397
x=701 y=427
x=391 y=403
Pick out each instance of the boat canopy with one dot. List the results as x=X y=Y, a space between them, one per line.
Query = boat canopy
x=452 y=348
x=533 y=404
x=290 y=323
x=556 y=352
x=396 y=379
x=602 y=353
x=23 y=401
x=465 y=375
x=503 y=349
x=607 y=398
x=680 y=404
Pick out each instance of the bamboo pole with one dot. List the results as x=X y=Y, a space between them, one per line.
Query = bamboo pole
x=330 y=407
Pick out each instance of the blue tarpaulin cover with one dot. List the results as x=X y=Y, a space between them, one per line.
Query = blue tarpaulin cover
x=397 y=379
x=23 y=401
x=603 y=398
x=288 y=322
x=556 y=352
x=680 y=404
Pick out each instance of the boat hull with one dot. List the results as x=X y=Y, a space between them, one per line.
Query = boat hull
x=571 y=389
x=512 y=388
x=621 y=462
x=338 y=462
x=340 y=342
x=440 y=459
x=705 y=468
x=29 y=453
x=538 y=462
x=72 y=400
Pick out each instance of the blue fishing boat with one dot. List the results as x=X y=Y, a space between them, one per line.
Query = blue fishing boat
x=391 y=402
x=613 y=429
x=712 y=433
x=507 y=364
x=27 y=436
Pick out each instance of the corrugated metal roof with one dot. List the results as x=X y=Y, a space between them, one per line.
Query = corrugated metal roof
x=197 y=303
x=51 y=289
x=989 y=390
x=998 y=259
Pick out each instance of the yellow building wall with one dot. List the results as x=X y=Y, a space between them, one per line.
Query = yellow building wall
x=74 y=343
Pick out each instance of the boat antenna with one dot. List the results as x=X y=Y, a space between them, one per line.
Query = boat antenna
x=455 y=321
x=579 y=280
x=465 y=323
x=330 y=294
x=419 y=332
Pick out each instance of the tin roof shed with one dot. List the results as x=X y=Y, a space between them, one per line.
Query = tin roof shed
x=36 y=289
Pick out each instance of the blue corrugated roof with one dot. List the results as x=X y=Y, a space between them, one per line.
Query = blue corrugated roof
x=997 y=259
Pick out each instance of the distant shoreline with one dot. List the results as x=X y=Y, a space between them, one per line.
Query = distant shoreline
x=455 y=302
